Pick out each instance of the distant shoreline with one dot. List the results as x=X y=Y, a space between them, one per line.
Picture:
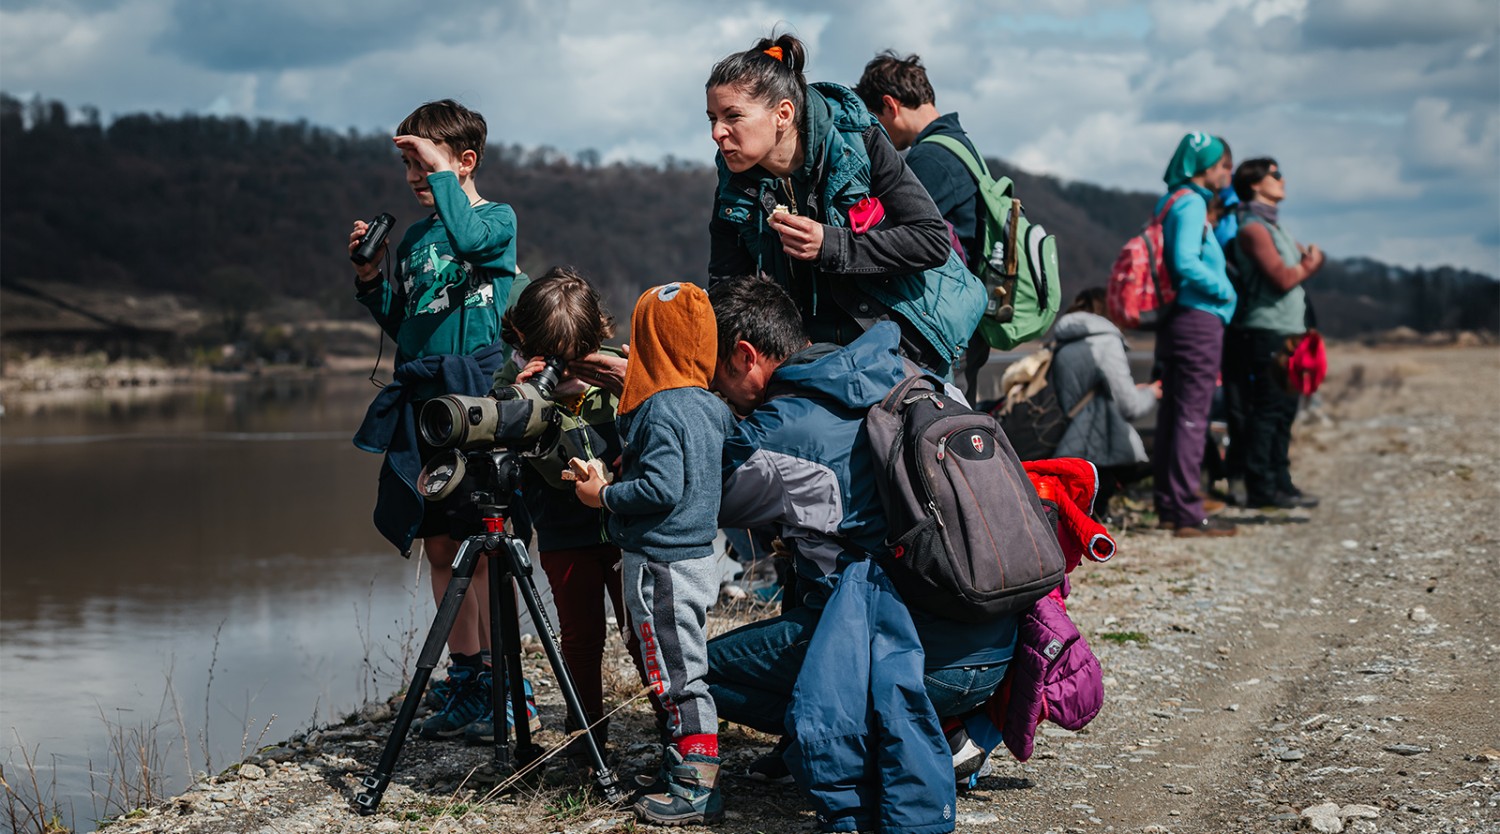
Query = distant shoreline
x=59 y=374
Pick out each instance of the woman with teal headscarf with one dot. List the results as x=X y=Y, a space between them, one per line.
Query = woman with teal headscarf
x=1190 y=343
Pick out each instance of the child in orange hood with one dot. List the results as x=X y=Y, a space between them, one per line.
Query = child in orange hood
x=664 y=511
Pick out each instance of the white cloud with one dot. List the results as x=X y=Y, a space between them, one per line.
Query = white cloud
x=1365 y=102
x=1441 y=141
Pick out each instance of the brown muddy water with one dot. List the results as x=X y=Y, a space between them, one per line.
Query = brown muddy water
x=190 y=560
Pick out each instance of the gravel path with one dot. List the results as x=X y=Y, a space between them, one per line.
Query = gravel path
x=1331 y=670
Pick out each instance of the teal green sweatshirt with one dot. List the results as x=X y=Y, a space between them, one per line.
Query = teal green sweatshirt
x=455 y=274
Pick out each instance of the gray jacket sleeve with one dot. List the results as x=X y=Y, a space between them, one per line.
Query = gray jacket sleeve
x=1114 y=367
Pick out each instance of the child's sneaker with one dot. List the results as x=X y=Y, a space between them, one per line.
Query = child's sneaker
x=468 y=703
x=692 y=792
x=482 y=729
x=439 y=691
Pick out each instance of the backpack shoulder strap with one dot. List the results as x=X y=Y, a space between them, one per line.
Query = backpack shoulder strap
x=1082 y=401
x=1161 y=216
x=904 y=388
x=977 y=169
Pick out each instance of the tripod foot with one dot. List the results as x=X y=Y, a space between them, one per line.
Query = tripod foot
x=368 y=800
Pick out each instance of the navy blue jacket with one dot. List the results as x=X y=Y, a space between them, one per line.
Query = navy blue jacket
x=948 y=180
x=666 y=500
x=867 y=745
x=390 y=426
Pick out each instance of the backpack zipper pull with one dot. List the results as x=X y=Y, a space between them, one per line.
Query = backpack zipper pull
x=942 y=449
x=933 y=511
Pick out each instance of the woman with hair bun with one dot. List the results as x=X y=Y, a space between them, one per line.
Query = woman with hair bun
x=812 y=193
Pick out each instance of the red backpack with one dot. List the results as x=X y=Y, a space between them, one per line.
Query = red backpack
x=1139 y=290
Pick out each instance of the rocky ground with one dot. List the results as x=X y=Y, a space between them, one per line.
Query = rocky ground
x=1330 y=670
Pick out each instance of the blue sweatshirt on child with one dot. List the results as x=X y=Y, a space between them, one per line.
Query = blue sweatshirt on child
x=665 y=503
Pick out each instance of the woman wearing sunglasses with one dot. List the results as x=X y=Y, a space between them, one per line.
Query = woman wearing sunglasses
x=1272 y=308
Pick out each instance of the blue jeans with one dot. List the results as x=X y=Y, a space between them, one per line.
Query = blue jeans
x=752 y=670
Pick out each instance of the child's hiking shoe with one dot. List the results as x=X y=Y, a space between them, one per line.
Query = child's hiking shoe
x=440 y=690
x=771 y=767
x=482 y=729
x=468 y=703
x=692 y=792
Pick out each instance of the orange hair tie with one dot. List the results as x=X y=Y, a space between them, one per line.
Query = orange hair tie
x=774 y=52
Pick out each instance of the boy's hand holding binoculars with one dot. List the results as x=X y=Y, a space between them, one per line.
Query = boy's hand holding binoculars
x=366 y=271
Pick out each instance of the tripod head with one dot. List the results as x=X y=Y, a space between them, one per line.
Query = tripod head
x=491 y=477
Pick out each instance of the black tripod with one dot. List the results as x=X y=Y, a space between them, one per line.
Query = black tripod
x=509 y=563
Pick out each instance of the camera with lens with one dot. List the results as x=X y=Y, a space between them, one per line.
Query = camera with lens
x=480 y=437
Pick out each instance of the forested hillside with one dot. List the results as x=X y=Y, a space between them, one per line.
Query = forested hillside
x=211 y=208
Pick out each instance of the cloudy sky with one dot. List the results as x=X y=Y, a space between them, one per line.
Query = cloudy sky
x=1384 y=114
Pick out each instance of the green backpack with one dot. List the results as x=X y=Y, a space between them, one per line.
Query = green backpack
x=1016 y=259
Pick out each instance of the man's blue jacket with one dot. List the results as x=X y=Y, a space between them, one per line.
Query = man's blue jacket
x=866 y=743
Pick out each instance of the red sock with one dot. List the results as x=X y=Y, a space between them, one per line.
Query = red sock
x=703 y=744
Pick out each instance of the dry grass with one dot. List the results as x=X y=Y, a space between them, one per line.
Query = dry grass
x=31 y=802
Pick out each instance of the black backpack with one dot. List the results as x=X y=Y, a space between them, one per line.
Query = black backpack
x=1030 y=413
x=969 y=540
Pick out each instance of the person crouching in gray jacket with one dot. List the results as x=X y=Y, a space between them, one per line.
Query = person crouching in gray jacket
x=1091 y=356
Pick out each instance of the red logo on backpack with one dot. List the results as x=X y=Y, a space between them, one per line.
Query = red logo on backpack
x=1139 y=289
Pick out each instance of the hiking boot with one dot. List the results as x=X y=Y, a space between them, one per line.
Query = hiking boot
x=771 y=767
x=468 y=703
x=968 y=757
x=482 y=729
x=654 y=781
x=1213 y=506
x=1208 y=527
x=692 y=796
x=1237 y=495
x=1302 y=500
x=439 y=691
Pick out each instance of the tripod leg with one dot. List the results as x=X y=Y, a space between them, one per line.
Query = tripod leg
x=527 y=751
x=499 y=673
x=521 y=567
x=374 y=785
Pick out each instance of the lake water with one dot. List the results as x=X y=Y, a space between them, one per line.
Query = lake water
x=197 y=559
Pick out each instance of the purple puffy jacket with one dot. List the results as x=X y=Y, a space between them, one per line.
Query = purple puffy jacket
x=1054 y=676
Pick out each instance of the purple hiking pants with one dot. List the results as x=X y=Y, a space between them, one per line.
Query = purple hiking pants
x=1189 y=347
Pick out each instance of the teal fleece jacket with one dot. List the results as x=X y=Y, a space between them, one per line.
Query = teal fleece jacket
x=455 y=275
x=1195 y=260
x=665 y=504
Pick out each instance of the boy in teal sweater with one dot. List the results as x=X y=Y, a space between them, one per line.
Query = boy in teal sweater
x=455 y=271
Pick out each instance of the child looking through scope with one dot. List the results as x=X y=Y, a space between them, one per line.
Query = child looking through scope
x=561 y=318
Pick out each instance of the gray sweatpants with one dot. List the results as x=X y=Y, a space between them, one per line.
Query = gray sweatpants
x=668 y=604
